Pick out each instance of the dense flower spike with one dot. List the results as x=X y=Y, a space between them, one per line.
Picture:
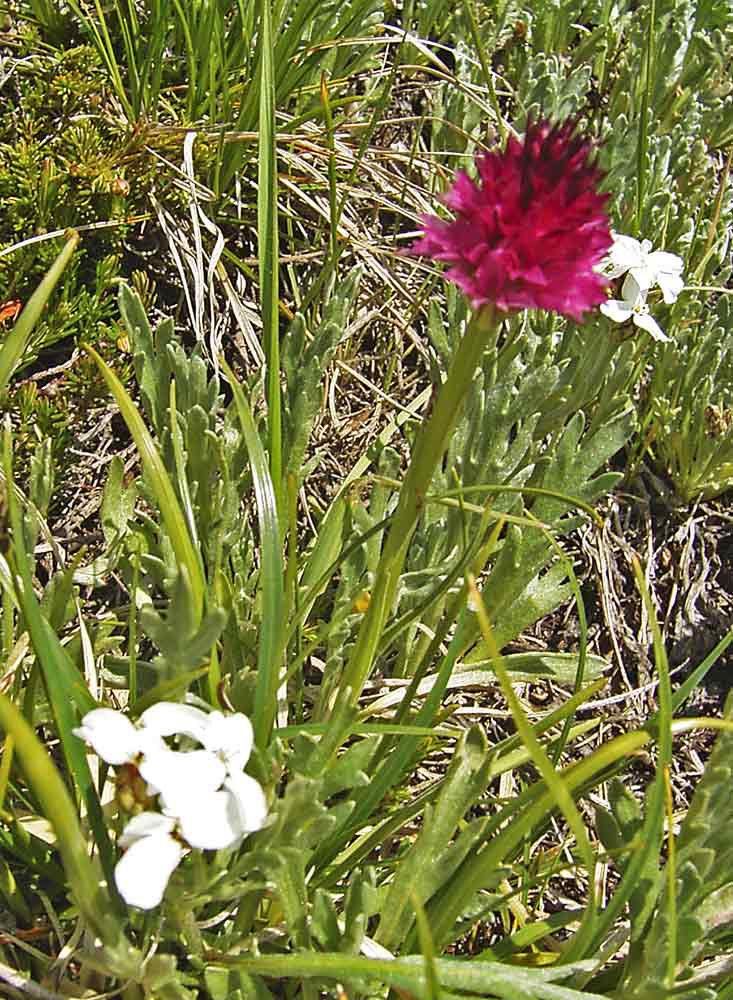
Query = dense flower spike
x=533 y=229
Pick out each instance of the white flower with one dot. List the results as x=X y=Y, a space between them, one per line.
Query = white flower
x=170 y=718
x=114 y=738
x=118 y=741
x=222 y=819
x=180 y=778
x=206 y=799
x=152 y=855
x=155 y=843
x=229 y=736
x=644 y=267
x=248 y=800
x=633 y=307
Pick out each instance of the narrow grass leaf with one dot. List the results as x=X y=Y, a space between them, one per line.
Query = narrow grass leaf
x=510 y=753
x=160 y=483
x=645 y=102
x=685 y=689
x=481 y=866
x=49 y=789
x=100 y=34
x=432 y=984
x=67 y=694
x=6 y=763
x=671 y=875
x=465 y=782
x=650 y=837
x=543 y=763
x=272 y=632
x=665 y=714
x=267 y=241
x=332 y=189
x=16 y=341
x=649 y=840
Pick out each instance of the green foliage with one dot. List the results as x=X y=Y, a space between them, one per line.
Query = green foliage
x=690 y=415
x=322 y=872
x=303 y=364
x=62 y=167
x=365 y=874
x=683 y=916
x=522 y=426
x=202 y=61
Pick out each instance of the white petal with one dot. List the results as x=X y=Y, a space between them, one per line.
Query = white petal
x=212 y=822
x=110 y=734
x=626 y=252
x=643 y=278
x=671 y=285
x=616 y=310
x=144 y=869
x=248 y=800
x=648 y=323
x=230 y=735
x=664 y=262
x=181 y=779
x=167 y=718
x=145 y=824
x=632 y=292
x=149 y=742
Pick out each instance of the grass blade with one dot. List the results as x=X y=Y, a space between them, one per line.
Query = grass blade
x=559 y=789
x=160 y=483
x=17 y=340
x=267 y=240
x=58 y=808
x=480 y=868
x=272 y=633
x=66 y=692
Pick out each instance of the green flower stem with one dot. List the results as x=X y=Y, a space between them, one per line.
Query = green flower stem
x=429 y=449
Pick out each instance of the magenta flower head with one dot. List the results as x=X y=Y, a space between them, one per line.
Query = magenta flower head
x=531 y=231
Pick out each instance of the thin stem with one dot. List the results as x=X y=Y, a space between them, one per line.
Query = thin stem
x=643 y=141
x=486 y=68
x=429 y=449
x=132 y=632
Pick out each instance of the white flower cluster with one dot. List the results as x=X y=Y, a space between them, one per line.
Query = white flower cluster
x=205 y=800
x=644 y=268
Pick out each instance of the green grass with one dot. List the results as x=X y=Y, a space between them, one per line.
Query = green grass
x=256 y=458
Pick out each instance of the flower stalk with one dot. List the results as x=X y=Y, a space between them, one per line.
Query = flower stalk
x=429 y=450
